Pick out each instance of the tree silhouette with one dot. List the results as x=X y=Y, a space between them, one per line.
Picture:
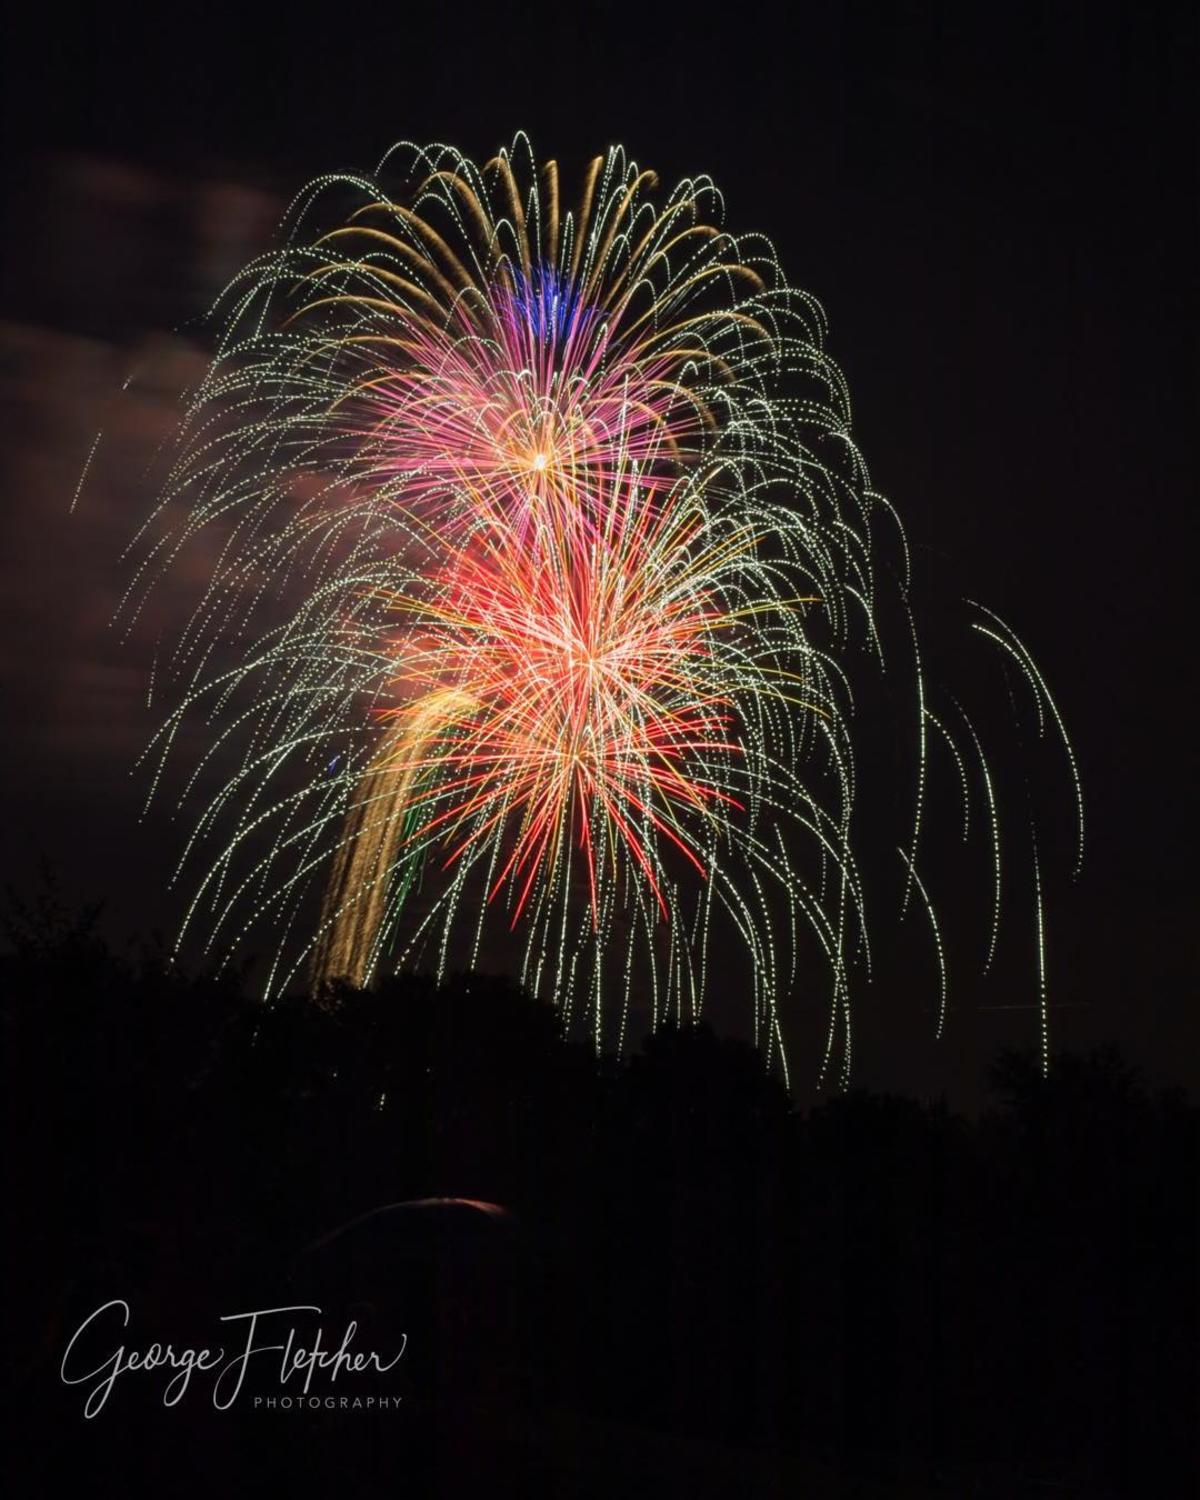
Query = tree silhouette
x=876 y=1289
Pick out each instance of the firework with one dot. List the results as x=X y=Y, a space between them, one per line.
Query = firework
x=545 y=561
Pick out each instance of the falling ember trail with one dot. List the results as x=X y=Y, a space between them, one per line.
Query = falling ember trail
x=365 y=864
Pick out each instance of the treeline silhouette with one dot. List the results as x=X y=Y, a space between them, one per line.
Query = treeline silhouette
x=694 y=1288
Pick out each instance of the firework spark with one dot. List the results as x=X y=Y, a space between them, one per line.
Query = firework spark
x=551 y=558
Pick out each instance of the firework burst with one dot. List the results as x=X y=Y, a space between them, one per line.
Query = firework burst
x=546 y=560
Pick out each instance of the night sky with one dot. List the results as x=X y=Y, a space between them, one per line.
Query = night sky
x=995 y=206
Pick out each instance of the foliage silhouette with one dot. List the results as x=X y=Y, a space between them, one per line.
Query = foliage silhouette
x=875 y=1295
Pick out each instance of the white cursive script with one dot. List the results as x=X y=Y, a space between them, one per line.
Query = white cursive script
x=296 y=1361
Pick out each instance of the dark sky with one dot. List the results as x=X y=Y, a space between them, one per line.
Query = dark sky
x=995 y=205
